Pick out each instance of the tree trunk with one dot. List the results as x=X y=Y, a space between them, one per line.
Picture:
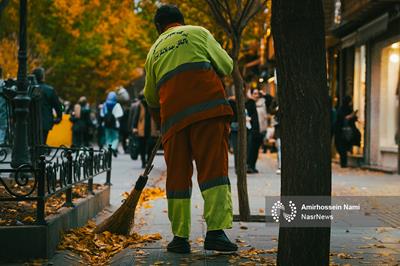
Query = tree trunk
x=298 y=32
x=241 y=167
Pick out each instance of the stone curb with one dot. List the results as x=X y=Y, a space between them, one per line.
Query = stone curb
x=40 y=241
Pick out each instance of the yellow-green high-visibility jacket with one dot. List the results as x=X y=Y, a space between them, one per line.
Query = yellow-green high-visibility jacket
x=183 y=70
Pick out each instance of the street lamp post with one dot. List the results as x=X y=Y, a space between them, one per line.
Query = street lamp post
x=21 y=154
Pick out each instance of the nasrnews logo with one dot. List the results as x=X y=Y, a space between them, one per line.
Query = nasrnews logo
x=278 y=207
x=290 y=213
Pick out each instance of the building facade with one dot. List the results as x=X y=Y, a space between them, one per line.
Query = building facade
x=363 y=61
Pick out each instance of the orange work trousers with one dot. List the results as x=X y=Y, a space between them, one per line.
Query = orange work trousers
x=206 y=143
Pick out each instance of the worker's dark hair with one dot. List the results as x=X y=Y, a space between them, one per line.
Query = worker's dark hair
x=166 y=15
x=39 y=74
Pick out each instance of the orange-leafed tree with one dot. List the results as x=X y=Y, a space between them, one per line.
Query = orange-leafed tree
x=86 y=47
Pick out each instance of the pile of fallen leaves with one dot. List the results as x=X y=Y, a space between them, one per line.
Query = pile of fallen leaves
x=97 y=249
x=255 y=257
x=24 y=212
x=147 y=195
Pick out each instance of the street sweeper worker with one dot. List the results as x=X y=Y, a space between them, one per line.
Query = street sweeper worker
x=185 y=94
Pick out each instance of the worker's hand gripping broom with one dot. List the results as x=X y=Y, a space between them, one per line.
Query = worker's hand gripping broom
x=122 y=220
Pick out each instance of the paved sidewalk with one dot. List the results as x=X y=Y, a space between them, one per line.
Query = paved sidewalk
x=354 y=246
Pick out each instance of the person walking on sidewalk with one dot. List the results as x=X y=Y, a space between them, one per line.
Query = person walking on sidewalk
x=346 y=133
x=81 y=123
x=49 y=101
x=255 y=136
x=145 y=129
x=186 y=96
x=110 y=114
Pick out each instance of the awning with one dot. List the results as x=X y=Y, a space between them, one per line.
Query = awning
x=366 y=32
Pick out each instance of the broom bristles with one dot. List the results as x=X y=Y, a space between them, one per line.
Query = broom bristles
x=122 y=220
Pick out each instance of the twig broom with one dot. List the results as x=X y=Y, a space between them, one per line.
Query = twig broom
x=122 y=219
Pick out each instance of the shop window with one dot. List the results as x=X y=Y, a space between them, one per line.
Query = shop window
x=389 y=79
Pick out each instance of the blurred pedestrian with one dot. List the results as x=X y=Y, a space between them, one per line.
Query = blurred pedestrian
x=49 y=103
x=123 y=99
x=82 y=123
x=133 y=109
x=68 y=108
x=124 y=128
x=133 y=139
x=146 y=131
x=346 y=133
x=274 y=110
x=111 y=113
x=262 y=117
x=268 y=100
x=3 y=111
x=254 y=137
x=101 y=138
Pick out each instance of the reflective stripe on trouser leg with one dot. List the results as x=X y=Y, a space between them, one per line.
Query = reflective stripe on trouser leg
x=218 y=211
x=179 y=216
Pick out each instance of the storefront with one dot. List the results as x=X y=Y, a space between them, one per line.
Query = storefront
x=365 y=64
x=385 y=65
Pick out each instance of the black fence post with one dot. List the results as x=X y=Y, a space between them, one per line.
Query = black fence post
x=21 y=154
x=109 y=164
x=68 y=192
x=91 y=171
x=41 y=201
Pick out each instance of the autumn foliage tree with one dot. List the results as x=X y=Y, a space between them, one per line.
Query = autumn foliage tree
x=87 y=47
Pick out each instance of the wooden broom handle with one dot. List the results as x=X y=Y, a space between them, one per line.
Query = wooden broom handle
x=149 y=164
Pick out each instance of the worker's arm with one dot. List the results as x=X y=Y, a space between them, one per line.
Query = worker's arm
x=151 y=92
x=220 y=59
x=150 y=89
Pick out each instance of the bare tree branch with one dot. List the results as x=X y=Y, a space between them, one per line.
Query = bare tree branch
x=218 y=16
x=229 y=13
x=254 y=8
x=238 y=2
x=224 y=8
x=243 y=13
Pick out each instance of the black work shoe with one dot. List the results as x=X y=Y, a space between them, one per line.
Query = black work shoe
x=179 y=245
x=218 y=241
